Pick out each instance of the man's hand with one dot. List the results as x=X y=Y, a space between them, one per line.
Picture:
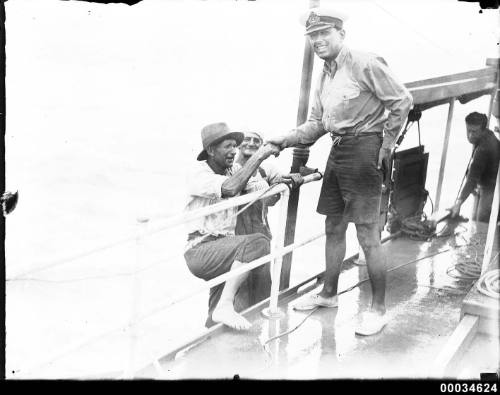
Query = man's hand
x=277 y=141
x=269 y=149
x=384 y=160
x=295 y=180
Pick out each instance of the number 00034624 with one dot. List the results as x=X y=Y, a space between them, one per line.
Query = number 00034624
x=468 y=387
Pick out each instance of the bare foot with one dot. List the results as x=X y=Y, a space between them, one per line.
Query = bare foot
x=229 y=317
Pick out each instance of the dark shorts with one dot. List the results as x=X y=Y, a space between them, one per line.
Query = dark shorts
x=212 y=258
x=352 y=184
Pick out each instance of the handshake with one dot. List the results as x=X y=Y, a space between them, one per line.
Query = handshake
x=273 y=146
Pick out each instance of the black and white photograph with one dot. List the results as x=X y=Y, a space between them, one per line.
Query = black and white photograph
x=252 y=190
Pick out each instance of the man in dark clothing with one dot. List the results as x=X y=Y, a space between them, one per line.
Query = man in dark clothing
x=482 y=171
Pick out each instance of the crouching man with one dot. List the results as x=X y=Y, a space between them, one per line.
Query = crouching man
x=213 y=248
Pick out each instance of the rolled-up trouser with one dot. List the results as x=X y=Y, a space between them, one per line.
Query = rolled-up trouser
x=352 y=184
x=214 y=257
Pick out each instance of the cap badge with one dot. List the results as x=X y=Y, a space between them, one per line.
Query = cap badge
x=313 y=19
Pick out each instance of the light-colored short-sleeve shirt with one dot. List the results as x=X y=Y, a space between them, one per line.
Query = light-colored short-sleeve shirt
x=204 y=188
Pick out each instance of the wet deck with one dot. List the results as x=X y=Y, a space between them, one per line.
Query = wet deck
x=423 y=302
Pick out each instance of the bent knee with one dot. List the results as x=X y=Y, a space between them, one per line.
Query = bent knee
x=257 y=245
x=262 y=242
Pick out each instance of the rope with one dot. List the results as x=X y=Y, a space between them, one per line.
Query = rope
x=490 y=287
x=20 y=277
x=206 y=285
x=291 y=330
x=106 y=276
x=469 y=269
x=230 y=218
x=162 y=306
x=110 y=245
x=350 y=289
x=465 y=174
x=418 y=227
x=74 y=257
x=489 y=284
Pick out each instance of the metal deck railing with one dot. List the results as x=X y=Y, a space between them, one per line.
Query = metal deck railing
x=278 y=250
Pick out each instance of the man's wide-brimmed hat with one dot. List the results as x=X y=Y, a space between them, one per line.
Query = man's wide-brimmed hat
x=215 y=133
x=320 y=18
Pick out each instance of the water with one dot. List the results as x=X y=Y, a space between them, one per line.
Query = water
x=105 y=104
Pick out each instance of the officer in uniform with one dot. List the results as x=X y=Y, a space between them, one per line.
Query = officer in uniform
x=352 y=96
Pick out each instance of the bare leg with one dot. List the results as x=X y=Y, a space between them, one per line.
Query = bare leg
x=369 y=239
x=224 y=311
x=334 y=255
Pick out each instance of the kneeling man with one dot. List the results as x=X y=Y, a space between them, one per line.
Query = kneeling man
x=213 y=248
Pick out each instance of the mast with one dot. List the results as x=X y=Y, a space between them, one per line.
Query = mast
x=300 y=155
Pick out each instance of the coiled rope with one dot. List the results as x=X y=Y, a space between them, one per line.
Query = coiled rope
x=489 y=282
x=466 y=269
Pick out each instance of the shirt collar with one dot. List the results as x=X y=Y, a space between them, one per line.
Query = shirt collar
x=339 y=60
x=227 y=172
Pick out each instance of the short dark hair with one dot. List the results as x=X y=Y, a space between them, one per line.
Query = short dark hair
x=476 y=118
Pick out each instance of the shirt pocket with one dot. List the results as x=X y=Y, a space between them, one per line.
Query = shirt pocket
x=342 y=95
x=350 y=93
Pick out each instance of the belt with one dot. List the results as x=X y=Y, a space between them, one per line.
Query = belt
x=206 y=237
x=337 y=137
x=355 y=133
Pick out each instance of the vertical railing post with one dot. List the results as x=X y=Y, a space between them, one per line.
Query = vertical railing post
x=300 y=153
x=444 y=154
x=142 y=224
x=492 y=227
x=278 y=242
x=494 y=62
x=274 y=346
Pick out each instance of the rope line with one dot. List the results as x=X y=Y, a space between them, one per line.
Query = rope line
x=125 y=240
x=467 y=269
x=106 y=276
x=350 y=289
x=20 y=277
x=169 y=302
x=489 y=283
